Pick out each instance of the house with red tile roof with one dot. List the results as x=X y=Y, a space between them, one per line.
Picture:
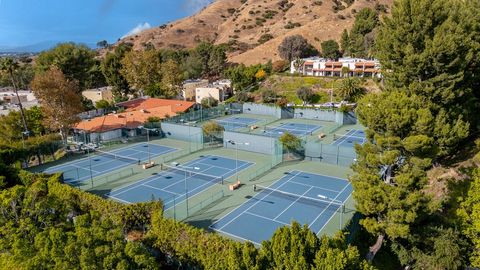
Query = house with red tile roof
x=125 y=124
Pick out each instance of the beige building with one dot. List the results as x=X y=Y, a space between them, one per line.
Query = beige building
x=98 y=94
x=189 y=86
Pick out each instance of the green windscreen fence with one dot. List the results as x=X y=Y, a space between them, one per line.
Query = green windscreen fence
x=330 y=153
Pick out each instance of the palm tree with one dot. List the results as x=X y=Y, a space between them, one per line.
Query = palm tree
x=299 y=63
x=10 y=66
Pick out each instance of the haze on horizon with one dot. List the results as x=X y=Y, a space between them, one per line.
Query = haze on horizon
x=27 y=22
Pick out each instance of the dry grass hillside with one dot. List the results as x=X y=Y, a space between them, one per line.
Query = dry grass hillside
x=256 y=27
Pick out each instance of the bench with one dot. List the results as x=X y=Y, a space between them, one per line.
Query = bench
x=321 y=136
x=252 y=127
x=234 y=186
x=148 y=165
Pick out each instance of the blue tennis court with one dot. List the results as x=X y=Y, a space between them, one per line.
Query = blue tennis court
x=293 y=128
x=169 y=185
x=350 y=138
x=234 y=123
x=101 y=163
x=308 y=198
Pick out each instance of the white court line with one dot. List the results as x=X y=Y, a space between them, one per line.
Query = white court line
x=346 y=136
x=263 y=217
x=292 y=203
x=118 y=199
x=333 y=215
x=298 y=183
x=257 y=201
x=236 y=236
x=152 y=187
x=135 y=184
x=325 y=209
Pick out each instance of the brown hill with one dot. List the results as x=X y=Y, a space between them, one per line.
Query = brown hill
x=256 y=27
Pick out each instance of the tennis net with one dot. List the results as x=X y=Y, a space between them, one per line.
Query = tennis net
x=202 y=176
x=113 y=156
x=348 y=138
x=232 y=124
x=282 y=130
x=324 y=203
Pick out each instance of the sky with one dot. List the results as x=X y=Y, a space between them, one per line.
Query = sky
x=27 y=22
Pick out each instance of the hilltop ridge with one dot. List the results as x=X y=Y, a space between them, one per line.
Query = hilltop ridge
x=255 y=28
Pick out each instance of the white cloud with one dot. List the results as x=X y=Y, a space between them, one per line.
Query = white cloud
x=137 y=29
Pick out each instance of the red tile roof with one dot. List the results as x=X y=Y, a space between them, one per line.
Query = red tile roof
x=142 y=103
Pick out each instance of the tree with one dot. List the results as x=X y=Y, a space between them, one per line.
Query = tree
x=204 y=51
x=77 y=62
x=350 y=89
x=469 y=214
x=268 y=96
x=59 y=100
x=365 y=21
x=102 y=44
x=305 y=94
x=434 y=49
x=295 y=47
x=9 y=66
x=192 y=66
x=111 y=69
x=330 y=49
x=290 y=142
x=298 y=64
x=11 y=125
x=103 y=104
x=242 y=96
x=209 y=102
x=212 y=129
x=142 y=70
x=345 y=43
x=171 y=79
x=217 y=61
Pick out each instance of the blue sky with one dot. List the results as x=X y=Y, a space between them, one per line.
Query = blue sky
x=26 y=22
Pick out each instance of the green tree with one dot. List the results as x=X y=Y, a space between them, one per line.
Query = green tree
x=305 y=94
x=330 y=49
x=103 y=104
x=171 y=79
x=111 y=69
x=204 y=51
x=102 y=44
x=77 y=62
x=11 y=127
x=192 y=66
x=10 y=67
x=209 y=102
x=212 y=130
x=469 y=215
x=350 y=89
x=295 y=46
x=142 y=70
x=435 y=51
x=217 y=61
x=290 y=142
x=365 y=21
x=345 y=43
x=299 y=64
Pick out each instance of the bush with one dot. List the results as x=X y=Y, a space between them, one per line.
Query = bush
x=209 y=102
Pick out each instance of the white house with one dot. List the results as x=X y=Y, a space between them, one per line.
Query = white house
x=344 y=67
x=219 y=90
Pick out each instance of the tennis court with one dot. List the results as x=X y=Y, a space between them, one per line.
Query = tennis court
x=350 y=138
x=99 y=162
x=293 y=128
x=308 y=198
x=234 y=123
x=173 y=183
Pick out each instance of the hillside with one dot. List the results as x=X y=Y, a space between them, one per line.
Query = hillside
x=255 y=28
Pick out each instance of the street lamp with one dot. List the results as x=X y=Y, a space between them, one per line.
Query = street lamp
x=236 y=154
x=186 y=188
x=148 y=140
